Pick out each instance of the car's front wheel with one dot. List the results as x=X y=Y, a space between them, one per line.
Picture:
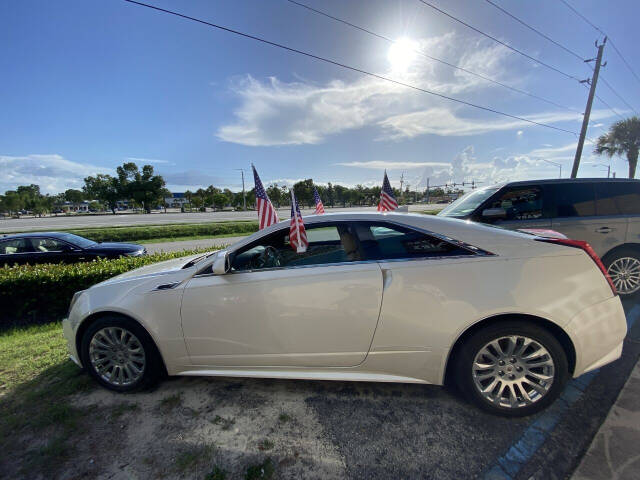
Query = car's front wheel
x=120 y=355
x=512 y=368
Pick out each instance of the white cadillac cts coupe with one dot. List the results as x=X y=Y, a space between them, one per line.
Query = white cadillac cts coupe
x=508 y=316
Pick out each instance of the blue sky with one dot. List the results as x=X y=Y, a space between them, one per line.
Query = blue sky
x=88 y=85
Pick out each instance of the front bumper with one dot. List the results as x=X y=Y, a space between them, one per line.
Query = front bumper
x=597 y=334
x=70 y=336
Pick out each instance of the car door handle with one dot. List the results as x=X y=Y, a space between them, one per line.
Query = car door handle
x=605 y=230
x=387 y=277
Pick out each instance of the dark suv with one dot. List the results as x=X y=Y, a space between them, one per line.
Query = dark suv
x=603 y=212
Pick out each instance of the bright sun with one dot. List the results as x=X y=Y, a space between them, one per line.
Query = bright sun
x=402 y=54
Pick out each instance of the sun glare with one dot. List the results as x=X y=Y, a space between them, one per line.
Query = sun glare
x=402 y=54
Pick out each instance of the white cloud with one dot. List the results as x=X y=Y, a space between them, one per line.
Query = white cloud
x=280 y=113
x=445 y=122
x=152 y=161
x=382 y=165
x=52 y=172
x=520 y=133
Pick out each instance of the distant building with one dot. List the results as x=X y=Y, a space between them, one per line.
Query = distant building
x=176 y=200
x=75 y=206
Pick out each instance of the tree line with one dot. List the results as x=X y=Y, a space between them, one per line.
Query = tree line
x=144 y=189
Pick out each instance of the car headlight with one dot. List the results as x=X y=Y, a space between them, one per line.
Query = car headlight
x=73 y=301
x=138 y=253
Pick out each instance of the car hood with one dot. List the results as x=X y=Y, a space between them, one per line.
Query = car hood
x=115 y=246
x=168 y=267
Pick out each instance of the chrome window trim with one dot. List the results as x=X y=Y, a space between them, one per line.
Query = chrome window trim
x=358 y=262
x=474 y=252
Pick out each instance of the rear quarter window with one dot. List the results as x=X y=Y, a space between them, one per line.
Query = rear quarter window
x=574 y=199
x=618 y=198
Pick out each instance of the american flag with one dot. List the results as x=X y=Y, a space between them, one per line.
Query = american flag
x=387 y=200
x=319 y=205
x=297 y=233
x=266 y=213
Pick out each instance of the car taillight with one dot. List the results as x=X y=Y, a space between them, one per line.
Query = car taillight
x=589 y=251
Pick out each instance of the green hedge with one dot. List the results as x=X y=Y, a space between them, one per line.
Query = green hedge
x=131 y=234
x=32 y=294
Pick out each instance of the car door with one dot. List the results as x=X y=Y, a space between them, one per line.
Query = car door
x=280 y=308
x=576 y=217
x=423 y=277
x=53 y=250
x=15 y=250
x=525 y=207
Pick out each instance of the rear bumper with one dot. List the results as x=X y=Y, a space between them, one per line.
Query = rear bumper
x=597 y=333
x=70 y=336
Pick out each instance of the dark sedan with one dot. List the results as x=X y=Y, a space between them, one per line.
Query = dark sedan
x=56 y=247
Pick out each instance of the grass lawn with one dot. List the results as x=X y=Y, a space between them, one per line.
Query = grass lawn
x=27 y=352
x=190 y=237
x=36 y=380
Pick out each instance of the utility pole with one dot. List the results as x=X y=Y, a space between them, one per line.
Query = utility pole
x=244 y=197
x=401 y=182
x=587 y=111
x=428 y=190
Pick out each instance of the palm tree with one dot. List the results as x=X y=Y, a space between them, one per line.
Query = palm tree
x=623 y=138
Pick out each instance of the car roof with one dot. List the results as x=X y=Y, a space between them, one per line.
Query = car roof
x=60 y=235
x=567 y=180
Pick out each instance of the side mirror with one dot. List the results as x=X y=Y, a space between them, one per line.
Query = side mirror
x=494 y=213
x=221 y=265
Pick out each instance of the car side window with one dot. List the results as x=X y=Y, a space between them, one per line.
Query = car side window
x=381 y=241
x=618 y=198
x=327 y=244
x=18 y=245
x=521 y=203
x=575 y=199
x=45 y=245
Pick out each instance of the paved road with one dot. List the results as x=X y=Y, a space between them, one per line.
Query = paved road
x=190 y=244
x=614 y=452
x=87 y=221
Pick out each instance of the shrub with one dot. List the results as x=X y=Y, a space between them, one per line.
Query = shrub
x=32 y=294
x=132 y=234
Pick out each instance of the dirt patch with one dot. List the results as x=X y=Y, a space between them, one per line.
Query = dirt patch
x=188 y=428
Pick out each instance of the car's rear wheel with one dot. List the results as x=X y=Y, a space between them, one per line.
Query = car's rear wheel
x=120 y=355
x=512 y=368
x=623 y=267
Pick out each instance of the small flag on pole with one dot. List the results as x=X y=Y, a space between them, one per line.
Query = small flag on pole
x=387 y=200
x=318 y=200
x=266 y=213
x=297 y=233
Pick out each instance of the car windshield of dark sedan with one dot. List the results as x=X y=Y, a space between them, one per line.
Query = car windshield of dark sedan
x=468 y=203
x=77 y=240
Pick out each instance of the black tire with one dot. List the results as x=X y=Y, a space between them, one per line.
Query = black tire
x=465 y=357
x=620 y=253
x=153 y=368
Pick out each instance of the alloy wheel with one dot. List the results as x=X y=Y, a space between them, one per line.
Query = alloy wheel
x=513 y=371
x=117 y=356
x=625 y=275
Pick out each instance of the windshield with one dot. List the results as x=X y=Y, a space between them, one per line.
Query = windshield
x=468 y=203
x=77 y=240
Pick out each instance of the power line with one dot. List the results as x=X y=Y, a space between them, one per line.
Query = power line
x=342 y=65
x=520 y=52
x=618 y=95
x=546 y=37
x=624 y=60
x=582 y=17
x=608 y=106
x=420 y=52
